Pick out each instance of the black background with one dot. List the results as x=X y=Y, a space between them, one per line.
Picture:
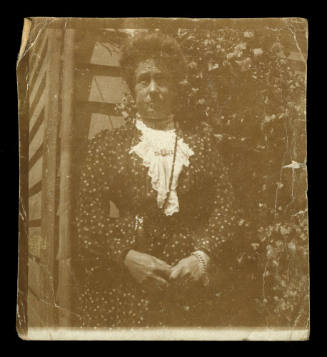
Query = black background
x=12 y=25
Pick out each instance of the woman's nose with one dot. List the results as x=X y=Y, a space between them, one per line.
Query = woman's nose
x=153 y=87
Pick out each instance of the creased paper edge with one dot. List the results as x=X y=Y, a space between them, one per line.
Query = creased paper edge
x=25 y=35
x=170 y=334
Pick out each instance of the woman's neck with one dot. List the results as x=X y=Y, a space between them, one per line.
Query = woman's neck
x=159 y=124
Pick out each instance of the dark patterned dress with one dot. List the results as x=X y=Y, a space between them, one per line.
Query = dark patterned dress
x=109 y=296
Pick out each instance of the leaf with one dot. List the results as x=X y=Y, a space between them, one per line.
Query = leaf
x=257 y=52
x=248 y=34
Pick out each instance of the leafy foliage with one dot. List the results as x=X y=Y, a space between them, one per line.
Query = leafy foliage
x=241 y=83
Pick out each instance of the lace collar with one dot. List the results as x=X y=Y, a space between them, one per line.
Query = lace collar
x=156 y=149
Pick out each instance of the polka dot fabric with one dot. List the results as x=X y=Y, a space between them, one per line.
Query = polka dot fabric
x=109 y=296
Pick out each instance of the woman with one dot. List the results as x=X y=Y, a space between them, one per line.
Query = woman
x=154 y=265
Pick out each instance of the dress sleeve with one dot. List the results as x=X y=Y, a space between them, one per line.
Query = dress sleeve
x=102 y=240
x=215 y=234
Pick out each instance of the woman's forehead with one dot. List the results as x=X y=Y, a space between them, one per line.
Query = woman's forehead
x=151 y=65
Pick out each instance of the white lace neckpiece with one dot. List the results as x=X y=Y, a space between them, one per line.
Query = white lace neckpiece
x=156 y=149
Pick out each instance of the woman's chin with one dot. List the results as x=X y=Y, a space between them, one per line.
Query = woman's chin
x=152 y=115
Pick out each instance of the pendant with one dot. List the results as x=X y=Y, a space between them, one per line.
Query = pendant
x=138 y=222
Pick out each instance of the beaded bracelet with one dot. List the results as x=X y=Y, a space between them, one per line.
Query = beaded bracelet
x=203 y=260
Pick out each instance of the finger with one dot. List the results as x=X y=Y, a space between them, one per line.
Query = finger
x=183 y=271
x=162 y=268
x=185 y=274
x=186 y=282
x=175 y=273
x=156 y=283
x=161 y=282
x=160 y=263
x=163 y=271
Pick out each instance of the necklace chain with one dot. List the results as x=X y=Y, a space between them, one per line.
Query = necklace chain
x=171 y=174
x=172 y=168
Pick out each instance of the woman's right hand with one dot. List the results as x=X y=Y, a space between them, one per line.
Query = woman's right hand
x=148 y=270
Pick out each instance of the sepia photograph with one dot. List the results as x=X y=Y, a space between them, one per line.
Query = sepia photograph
x=163 y=179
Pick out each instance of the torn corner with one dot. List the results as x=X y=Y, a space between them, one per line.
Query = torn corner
x=25 y=35
x=22 y=334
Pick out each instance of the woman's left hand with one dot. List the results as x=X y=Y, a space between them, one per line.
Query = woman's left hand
x=186 y=271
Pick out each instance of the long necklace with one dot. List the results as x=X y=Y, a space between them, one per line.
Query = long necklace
x=139 y=219
x=171 y=174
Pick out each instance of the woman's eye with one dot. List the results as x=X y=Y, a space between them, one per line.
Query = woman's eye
x=161 y=80
x=143 y=81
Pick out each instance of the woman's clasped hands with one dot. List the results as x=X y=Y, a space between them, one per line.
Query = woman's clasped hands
x=155 y=274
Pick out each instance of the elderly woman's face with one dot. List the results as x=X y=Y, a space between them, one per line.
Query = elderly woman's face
x=154 y=90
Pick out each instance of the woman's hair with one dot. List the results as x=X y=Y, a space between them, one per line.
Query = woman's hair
x=154 y=45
